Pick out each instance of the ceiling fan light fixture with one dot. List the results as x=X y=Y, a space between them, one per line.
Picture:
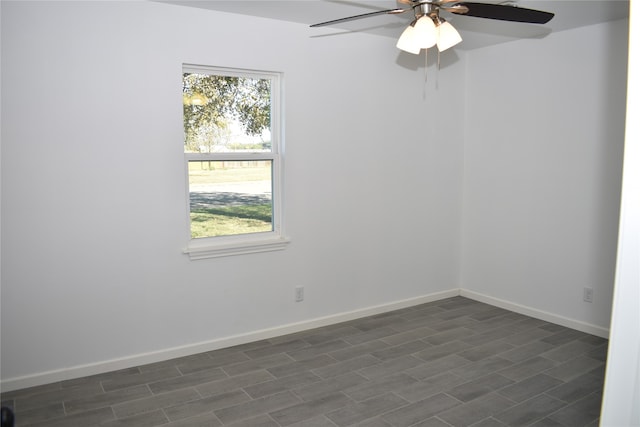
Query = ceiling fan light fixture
x=447 y=36
x=425 y=32
x=407 y=41
x=428 y=29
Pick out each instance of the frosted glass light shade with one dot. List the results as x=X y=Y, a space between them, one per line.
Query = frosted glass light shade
x=407 y=41
x=447 y=36
x=425 y=32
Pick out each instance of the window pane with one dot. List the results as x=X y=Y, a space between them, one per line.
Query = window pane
x=230 y=197
x=226 y=114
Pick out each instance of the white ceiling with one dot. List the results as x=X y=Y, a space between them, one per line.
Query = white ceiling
x=476 y=32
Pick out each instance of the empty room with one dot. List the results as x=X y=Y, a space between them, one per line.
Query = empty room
x=214 y=214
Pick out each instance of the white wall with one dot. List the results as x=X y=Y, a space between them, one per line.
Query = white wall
x=93 y=191
x=543 y=152
x=621 y=398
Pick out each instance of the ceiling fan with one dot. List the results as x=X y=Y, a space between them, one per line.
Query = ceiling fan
x=428 y=29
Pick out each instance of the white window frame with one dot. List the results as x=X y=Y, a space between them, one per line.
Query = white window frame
x=220 y=246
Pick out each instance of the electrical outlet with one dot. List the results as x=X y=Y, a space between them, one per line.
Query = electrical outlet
x=299 y=296
x=587 y=294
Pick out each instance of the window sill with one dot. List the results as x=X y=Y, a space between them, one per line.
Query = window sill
x=207 y=249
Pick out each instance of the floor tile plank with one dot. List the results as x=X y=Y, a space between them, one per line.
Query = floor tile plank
x=453 y=362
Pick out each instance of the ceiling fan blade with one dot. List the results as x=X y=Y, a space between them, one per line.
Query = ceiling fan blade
x=364 y=15
x=499 y=11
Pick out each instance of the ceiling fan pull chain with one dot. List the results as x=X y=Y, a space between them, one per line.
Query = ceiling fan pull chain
x=438 y=70
x=426 y=68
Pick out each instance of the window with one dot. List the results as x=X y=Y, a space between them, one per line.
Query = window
x=232 y=151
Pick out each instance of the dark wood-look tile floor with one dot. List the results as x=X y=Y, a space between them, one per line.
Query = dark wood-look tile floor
x=453 y=362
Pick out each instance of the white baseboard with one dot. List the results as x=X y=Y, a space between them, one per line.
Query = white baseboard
x=538 y=314
x=187 y=350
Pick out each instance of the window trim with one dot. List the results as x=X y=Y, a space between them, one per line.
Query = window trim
x=221 y=246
